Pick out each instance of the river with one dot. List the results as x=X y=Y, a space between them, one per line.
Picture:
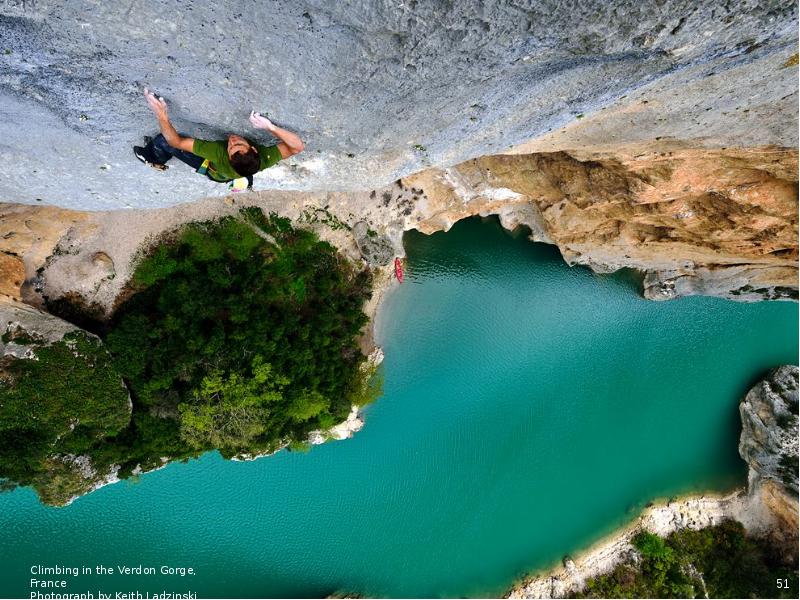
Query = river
x=529 y=409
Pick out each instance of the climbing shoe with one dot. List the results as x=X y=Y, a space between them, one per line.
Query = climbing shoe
x=141 y=154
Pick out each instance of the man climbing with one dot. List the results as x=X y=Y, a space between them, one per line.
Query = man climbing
x=221 y=161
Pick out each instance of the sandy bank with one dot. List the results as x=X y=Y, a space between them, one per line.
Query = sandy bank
x=662 y=518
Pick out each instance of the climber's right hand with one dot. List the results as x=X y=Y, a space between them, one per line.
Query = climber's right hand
x=156 y=104
x=259 y=121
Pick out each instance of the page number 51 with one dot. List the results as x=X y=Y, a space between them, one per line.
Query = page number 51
x=782 y=583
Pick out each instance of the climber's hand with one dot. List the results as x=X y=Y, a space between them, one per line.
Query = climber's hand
x=259 y=121
x=157 y=104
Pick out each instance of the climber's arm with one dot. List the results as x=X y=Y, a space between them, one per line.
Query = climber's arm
x=159 y=107
x=290 y=143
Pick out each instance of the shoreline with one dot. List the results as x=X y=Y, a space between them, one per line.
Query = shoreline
x=661 y=517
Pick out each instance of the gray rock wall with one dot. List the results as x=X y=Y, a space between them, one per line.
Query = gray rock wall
x=769 y=427
x=377 y=89
x=768 y=445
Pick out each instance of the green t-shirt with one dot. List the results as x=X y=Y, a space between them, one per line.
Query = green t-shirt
x=220 y=167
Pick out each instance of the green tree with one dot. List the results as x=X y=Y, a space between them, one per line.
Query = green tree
x=68 y=400
x=231 y=412
x=308 y=404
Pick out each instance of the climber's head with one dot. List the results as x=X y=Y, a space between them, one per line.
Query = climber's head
x=243 y=156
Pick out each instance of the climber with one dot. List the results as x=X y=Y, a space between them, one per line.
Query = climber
x=231 y=160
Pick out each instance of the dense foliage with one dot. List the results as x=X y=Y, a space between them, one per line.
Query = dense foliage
x=64 y=403
x=238 y=334
x=244 y=341
x=716 y=562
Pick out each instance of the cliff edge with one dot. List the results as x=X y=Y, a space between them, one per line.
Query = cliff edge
x=769 y=446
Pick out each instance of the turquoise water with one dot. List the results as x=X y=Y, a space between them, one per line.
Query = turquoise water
x=529 y=409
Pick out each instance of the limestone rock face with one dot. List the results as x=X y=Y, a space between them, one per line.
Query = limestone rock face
x=12 y=274
x=769 y=446
x=769 y=427
x=378 y=89
x=783 y=507
x=30 y=324
x=712 y=222
x=376 y=249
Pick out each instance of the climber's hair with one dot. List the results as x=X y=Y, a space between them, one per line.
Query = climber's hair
x=246 y=163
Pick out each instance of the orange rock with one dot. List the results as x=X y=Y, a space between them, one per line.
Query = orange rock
x=12 y=276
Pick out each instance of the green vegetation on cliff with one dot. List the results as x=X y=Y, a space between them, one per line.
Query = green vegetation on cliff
x=59 y=404
x=239 y=335
x=244 y=341
x=717 y=562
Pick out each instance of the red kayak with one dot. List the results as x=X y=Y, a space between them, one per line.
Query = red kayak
x=398 y=269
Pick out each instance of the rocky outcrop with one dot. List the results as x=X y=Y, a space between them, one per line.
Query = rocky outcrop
x=769 y=427
x=769 y=445
x=344 y=430
x=721 y=223
x=25 y=327
x=376 y=249
x=377 y=89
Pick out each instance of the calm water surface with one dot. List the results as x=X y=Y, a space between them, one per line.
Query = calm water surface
x=529 y=409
